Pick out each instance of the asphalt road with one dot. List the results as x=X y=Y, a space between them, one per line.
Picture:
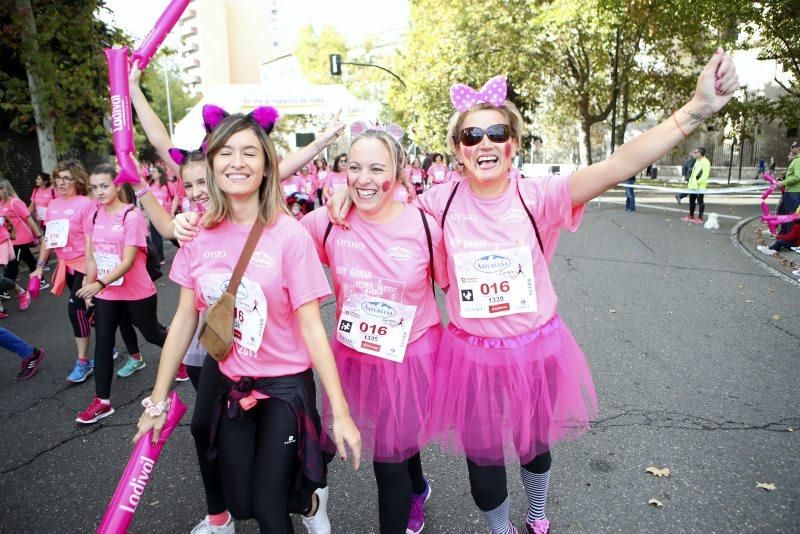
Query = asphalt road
x=695 y=352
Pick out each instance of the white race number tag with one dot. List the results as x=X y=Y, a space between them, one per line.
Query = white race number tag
x=375 y=326
x=105 y=264
x=57 y=233
x=495 y=283
x=41 y=213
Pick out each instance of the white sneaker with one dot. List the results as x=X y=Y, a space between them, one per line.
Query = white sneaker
x=319 y=522
x=205 y=527
x=796 y=249
x=765 y=250
x=796 y=273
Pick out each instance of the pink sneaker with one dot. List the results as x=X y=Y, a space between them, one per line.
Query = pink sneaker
x=539 y=526
x=416 y=518
x=96 y=411
x=24 y=300
x=181 y=375
x=698 y=220
x=687 y=219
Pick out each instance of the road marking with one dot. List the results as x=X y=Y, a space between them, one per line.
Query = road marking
x=664 y=208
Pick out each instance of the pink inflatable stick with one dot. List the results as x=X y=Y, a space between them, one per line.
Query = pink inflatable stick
x=138 y=472
x=121 y=120
x=163 y=26
x=34 y=286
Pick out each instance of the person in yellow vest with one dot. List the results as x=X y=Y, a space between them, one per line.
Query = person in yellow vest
x=698 y=181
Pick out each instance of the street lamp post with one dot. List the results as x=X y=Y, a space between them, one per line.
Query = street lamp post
x=169 y=100
x=336 y=67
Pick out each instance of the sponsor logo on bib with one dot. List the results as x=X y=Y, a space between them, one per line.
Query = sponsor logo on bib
x=263 y=259
x=398 y=253
x=378 y=309
x=491 y=264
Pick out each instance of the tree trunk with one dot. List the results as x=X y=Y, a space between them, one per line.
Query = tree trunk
x=31 y=56
x=586 y=129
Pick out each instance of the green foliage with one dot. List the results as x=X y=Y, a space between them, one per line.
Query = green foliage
x=73 y=67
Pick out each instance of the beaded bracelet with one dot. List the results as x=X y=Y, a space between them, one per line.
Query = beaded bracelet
x=142 y=192
x=154 y=410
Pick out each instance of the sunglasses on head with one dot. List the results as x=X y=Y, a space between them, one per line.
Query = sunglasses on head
x=497 y=133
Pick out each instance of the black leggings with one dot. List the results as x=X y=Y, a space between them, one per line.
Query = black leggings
x=6 y=284
x=23 y=252
x=206 y=382
x=488 y=482
x=76 y=307
x=700 y=204
x=258 y=459
x=396 y=482
x=158 y=241
x=108 y=314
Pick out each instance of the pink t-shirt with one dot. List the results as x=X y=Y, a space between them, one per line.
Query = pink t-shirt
x=478 y=224
x=163 y=194
x=111 y=233
x=390 y=261
x=438 y=173
x=400 y=194
x=414 y=175
x=76 y=210
x=335 y=180
x=283 y=274
x=294 y=184
x=41 y=197
x=17 y=212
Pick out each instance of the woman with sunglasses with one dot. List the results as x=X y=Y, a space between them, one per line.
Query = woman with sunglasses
x=335 y=178
x=268 y=429
x=510 y=378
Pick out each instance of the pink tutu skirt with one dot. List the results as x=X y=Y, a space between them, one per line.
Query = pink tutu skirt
x=388 y=401
x=6 y=252
x=494 y=398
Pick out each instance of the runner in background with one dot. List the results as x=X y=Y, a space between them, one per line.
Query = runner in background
x=437 y=172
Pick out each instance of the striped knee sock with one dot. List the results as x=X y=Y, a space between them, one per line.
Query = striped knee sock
x=498 y=518
x=536 y=485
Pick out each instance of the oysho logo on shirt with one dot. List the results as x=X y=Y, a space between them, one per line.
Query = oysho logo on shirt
x=358 y=245
x=491 y=263
x=263 y=259
x=214 y=254
x=513 y=214
x=461 y=217
x=398 y=253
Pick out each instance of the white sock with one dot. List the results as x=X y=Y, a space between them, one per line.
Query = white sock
x=498 y=518
x=536 y=486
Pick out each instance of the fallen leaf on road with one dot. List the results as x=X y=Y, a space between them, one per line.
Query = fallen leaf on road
x=776 y=317
x=154 y=503
x=656 y=503
x=749 y=301
x=771 y=290
x=670 y=312
x=612 y=310
x=664 y=472
x=766 y=486
x=741 y=287
x=790 y=429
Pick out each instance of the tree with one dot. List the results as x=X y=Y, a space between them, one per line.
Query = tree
x=63 y=54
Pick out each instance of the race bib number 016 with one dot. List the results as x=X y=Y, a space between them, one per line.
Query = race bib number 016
x=57 y=233
x=496 y=283
x=375 y=326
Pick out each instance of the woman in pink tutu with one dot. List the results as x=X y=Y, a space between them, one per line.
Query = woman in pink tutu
x=388 y=325
x=510 y=378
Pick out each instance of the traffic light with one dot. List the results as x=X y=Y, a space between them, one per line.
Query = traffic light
x=336 y=64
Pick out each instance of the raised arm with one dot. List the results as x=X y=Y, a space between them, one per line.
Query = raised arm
x=153 y=127
x=715 y=87
x=296 y=160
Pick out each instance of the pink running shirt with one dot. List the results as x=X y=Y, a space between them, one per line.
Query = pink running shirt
x=294 y=184
x=41 y=197
x=17 y=212
x=283 y=274
x=163 y=194
x=335 y=180
x=390 y=261
x=475 y=223
x=76 y=210
x=438 y=173
x=111 y=233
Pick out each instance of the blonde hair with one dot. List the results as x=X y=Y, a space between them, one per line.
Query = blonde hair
x=9 y=190
x=77 y=171
x=396 y=153
x=270 y=194
x=509 y=111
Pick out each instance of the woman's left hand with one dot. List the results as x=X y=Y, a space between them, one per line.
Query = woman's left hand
x=717 y=83
x=89 y=290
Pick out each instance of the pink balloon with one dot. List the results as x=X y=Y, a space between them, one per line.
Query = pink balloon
x=163 y=26
x=138 y=473
x=121 y=119
x=34 y=286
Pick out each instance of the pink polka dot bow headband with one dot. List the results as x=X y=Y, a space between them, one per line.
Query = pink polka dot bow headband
x=359 y=127
x=493 y=92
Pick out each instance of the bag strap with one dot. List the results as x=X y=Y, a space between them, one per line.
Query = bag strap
x=244 y=259
x=530 y=216
x=327 y=233
x=430 y=244
x=449 y=200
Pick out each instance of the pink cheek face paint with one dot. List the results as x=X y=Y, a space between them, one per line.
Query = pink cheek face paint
x=386 y=185
x=507 y=150
x=468 y=153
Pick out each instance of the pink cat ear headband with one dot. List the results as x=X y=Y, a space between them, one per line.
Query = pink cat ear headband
x=493 y=92
x=264 y=116
x=359 y=127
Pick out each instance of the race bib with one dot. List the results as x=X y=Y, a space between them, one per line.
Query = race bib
x=41 y=213
x=289 y=189
x=496 y=283
x=57 y=233
x=250 y=313
x=375 y=326
x=107 y=263
x=439 y=176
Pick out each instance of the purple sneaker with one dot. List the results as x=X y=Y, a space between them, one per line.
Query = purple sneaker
x=539 y=526
x=416 y=519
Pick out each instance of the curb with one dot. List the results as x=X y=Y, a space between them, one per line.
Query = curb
x=744 y=250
